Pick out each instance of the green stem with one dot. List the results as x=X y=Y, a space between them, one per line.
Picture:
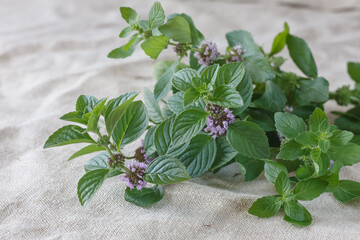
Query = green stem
x=196 y=50
x=173 y=44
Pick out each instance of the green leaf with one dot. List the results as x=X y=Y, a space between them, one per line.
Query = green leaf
x=340 y=138
x=149 y=144
x=265 y=207
x=297 y=214
x=92 y=125
x=69 y=134
x=224 y=153
x=176 y=151
x=250 y=168
x=248 y=139
x=129 y=15
x=304 y=172
x=309 y=189
x=273 y=98
x=199 y=155
x=273 y=169
x=163 y=85
x=226 y=97
x=280 y=40
x=166 y=170
x=255 y=63
x=114 y=103
x=282 y=184
x=154 y=45
x=315 y=154
x=347 y=154
x=76 y=116
x=289 y=125
x=90 y=183
x=126 y=50
x=155 y=114
x=163 y=133
x=156 y=15
x=190 y=96
x=324 y=145
x=347 y=190
x=86 y=150
x=316 y=119
x=182 y=79
x=86 y=103
x=187 y=125
x=146 y=197
x=210 y=74
x=245 y=88
x=160 y=67
x=131 y=125
x=176 y=102
x=125 y=32
x=307 y=139
x=301 y=55
x=177 y=29
x=353 y=69
x=316 y=90
x=116 y=114
x=99 y=161
x=230 y=74
x=290 y=150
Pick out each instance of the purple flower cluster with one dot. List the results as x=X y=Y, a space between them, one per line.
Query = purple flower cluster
x=208 y=54
x=137 y=168
x=135 y=178
x=235 y=54
x=288 y=109
x=218 y=121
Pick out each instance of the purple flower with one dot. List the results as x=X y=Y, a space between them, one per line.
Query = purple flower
x=209 y=53
x=141 y=155
x=288 y=109
x=135 y=178
x=235 y=54
x=218 y=121
x=119 y=159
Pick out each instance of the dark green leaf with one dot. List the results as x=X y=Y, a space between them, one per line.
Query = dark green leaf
x=316 y=119
x=177 y=29
x=163 y=133
x=348 y=154
x=280 y=40
x=182 y=79
x=273 y=98
x=156 y=15
x=309 y=189
x=210 y=74
x=250 y=168
x=86 y=103
x=297 y=214
x=176 y=102
x=224 y=153
x=190 y=96
x=347 y=190
x=149 y=144
x=289 y=125
x=146 y=197
x=316 y=90
x=86 y=150
x=226 y=97
x=230 y=74
x=74 y=117
x=273 y=169
x=163 y=85
x=290 y=150
x=266 y=207
x=354 y=71
x=245 y=88
x=282 y=184
x=155 y=114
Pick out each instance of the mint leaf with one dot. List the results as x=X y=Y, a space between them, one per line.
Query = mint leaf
x=149 y=144
x=187 y=125
x=307 y=139
x=316 y=90
x=226 y=97
x=166 y=170
x=210 y=74
x=114 y=103
x=224 y=153
x=86 y=103
x=230 y=74
x=248 y=139
x=182 y=79
x=316 y=119
x=69 y=134
x=75 y=116
x=92 y=125
x=154 y=45
x=282 y=184
x=176 y=102
x=156 y=15
x=297 y=214
x=155 y=114
x=245 y=88
x=301 y=55
x=273 y=169
x=163 y=85
x=340 y=138
x=347 y=190
x=146 y=197
x=131 y=125
x=354 y=71
x=177 y=29
x=250 y=168
x=347 y=154
x=199 y=155
x=162 y=138
x=309 y=189
x=280 y=40
x=125 y=32
x=266 y=207
x=324 y=145
x=129 y=15
x=90 y=183
x=190 y=96
x=126 y=50
x=86 y=150
x=289 y=125
x=273 y=98
x=290 y=150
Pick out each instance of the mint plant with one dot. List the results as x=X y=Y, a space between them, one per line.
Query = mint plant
x=237 y=107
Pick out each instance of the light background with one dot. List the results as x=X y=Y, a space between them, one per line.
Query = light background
x=52 y=51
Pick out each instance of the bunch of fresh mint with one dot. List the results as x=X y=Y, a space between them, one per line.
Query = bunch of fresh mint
x=239 y=106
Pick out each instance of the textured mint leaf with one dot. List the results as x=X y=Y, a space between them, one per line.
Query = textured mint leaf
x=347 y=154
x=210 y=74
x=307 y=139
x=85 y=103
x=347 y=190
x=75 y=116
x=340 y=138
x=230 y=74
x=129 y=15
x=266 y=207
x=199 y=155
x=250 y=168
x=316 y=119
x=146 y=197
x=126 y=50
x=90 y=183
x=92 y=125
x=224 y=153
x=163 y=85
x=316 y=91
x=149 y=144
x=226 y=97
x=182 y=79
x=289 y=125
x=248 y=139
x=153 y=46
x=273 y=169
x=301 y=55
x=190 y=96
x=273 y=98
x=114 y=103
x=176 y=102
x=153 y=107
x=156 y=15
x=187 y=125
x=353 y=69
x=280 y=40
x=177 y=29
x=69 y=134
x=245 y=88
x=125 y=32
x=309 y=189
x=166 y=170
x=297 y=214
x=290 y=150
x=86 y=150
x=282 y=184
x=162 y=137
x=324 y=145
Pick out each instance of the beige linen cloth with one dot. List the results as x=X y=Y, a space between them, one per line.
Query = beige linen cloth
x=51 y=51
